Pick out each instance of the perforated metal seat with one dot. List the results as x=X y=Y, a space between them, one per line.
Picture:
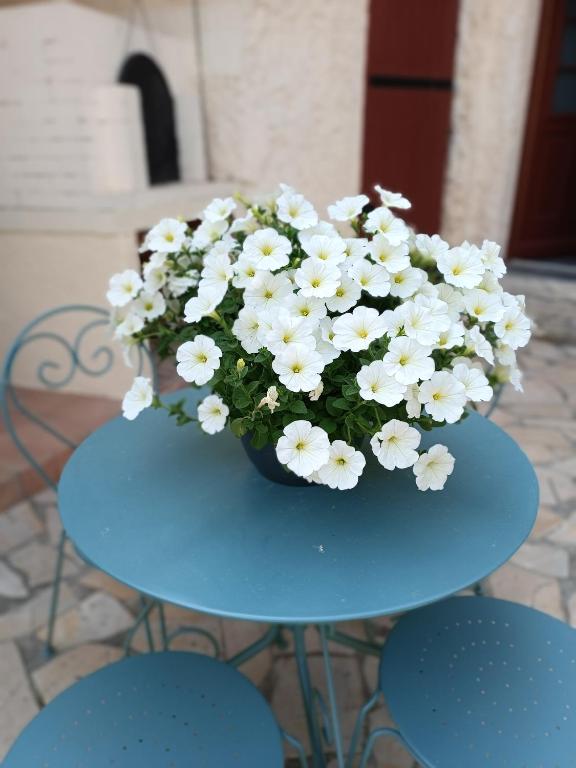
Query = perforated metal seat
x=160 y=710
x=483 y=682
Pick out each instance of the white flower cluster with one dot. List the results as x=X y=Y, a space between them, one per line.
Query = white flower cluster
x=310 y=293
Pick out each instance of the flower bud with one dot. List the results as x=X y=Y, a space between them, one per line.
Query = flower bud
x=240 y=365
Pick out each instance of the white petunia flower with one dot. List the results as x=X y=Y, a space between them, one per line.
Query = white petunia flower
x=208 y=232
x=392 y=199
x=413 y=405
x=198 y=359
x=212 y=414
x=476 y=342
x=346 y=296
x=453 y=298
x=123 y=287
x=462 y=266
x=295 y=210
x=405 y=283
x=383 y=221
x=347 y=208
x=318 y=278
x=127 y=321
x=453 y=337
x=298 y=368
x=249 y=328
x=372 y=278
x=490 y=253
x=324 y=228
x=150 y=305
x=490 y=284
x=268 y=291
x=155 y=276
x=270 y=399
x=485 y=306
x=326 y=248
x=358 y=329
x=303 y=448
x=324 y=335
x=407 y=361
x=422 y=323
x=200 y=306
x=514 y=328
x=431 y=247
x=167 y=236
x=216 y=274
x=219 y=209
x=356 y=248
x=138 y=397
x=343 y=468
x=443 y=396
x=309 y=307
x=376 y=384
x=179 y=284
x=267 y=249
x=475 y=383
x=395 y=445
x=315 y=394
x=247 y=224
x=394 y=257
x=286 y=330
x=244 y=272
x=433 y=467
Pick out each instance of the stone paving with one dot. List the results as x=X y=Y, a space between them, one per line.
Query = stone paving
x=95 y=611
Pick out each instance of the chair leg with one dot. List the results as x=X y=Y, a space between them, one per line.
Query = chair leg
x=53 y=611
x=359 y=725
x=373 y=738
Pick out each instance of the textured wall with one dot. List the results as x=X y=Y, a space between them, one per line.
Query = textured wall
x=284 y=86
x=494 y=61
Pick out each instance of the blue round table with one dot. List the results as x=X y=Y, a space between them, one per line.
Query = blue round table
x=185 y=518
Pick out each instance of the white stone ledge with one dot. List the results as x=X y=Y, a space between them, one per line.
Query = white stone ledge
x=114 y=214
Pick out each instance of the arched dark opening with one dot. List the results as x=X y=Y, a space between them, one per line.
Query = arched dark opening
x=158 y=116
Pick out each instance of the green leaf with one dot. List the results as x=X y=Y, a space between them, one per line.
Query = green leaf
x=350 y=390
x=341 y=404
x=241 y=399
x=238 y=427
x=298 y=406
x=328 y=425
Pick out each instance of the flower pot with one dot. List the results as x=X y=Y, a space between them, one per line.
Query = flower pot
x=267 y=464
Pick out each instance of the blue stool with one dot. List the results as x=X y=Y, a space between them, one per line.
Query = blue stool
x=159 y=710
x=476 y=681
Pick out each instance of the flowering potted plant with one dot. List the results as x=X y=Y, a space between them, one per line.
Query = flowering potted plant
x=314 y=335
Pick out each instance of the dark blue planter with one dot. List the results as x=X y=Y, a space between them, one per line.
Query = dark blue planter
x=267 y=464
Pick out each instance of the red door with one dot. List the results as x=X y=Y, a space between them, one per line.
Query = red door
x=545 y=217
x=407 y=120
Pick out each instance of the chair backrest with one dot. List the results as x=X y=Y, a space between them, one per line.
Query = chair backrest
x=63 y=344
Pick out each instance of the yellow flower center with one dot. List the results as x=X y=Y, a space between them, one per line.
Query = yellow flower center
x=315 y=283
x=266 y=250
x=300 y=446
x=341 y=461
x=202 y=358
x=296 y=368
x=268 y=294
x=169 y=237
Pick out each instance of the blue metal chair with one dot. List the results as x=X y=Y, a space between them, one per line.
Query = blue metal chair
x=477 y=681
x=159 y=710
x=87 y=350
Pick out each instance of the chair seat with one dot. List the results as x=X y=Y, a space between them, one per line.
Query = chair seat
x=476 y=681
x=162 y=710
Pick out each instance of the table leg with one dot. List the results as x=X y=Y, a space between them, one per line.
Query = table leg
x=318 y=758
x=335 y=717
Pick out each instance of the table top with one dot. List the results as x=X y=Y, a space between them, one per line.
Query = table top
x=185 y=517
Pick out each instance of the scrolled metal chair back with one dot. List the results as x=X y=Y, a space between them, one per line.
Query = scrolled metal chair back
x=64 y=355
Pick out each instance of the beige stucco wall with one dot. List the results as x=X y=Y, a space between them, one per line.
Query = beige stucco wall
x=42 y=270
x=494 y=62
x=284 y=85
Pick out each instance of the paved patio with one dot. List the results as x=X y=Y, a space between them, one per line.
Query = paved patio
x=96 y=611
